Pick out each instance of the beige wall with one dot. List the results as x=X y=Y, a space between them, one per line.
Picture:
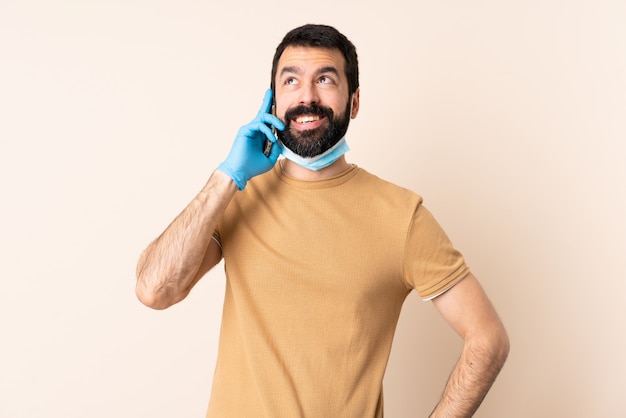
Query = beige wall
x=507 y=116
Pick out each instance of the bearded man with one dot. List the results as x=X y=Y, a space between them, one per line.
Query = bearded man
x=319 y=257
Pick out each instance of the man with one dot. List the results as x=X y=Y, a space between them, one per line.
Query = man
x=319 y=257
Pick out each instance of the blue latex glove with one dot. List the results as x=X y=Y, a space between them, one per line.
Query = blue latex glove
x=246 y=159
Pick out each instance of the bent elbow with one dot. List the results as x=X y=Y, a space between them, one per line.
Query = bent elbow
x=505 y=347
x=491 y=346
x=499 y=347
x=149 y=300
x=152 y=298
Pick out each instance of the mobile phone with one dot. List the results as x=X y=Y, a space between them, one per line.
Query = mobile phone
x=267 y=147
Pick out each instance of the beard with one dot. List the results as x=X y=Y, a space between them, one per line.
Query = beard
x=312 y=142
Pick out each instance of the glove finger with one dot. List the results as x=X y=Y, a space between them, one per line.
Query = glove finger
x=251 y=130
x=270 y=119
x=266 y=106
x=267 y=131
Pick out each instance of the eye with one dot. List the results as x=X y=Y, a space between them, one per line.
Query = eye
x=325 y=80
x=290 y=81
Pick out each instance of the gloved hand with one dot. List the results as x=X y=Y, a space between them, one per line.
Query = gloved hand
x=246 y=159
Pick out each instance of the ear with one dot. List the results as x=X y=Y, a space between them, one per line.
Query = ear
x=354 y=109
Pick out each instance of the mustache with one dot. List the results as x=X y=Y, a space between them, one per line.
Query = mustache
x=313 y=109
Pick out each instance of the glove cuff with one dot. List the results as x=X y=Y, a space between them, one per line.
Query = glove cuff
x=239 y=180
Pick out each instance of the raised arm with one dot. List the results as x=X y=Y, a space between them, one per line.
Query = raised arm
x=173 y=263
x=486 y=346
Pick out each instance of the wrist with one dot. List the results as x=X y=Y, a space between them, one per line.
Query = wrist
x=239 y=180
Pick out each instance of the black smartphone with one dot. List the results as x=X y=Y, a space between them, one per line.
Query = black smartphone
x=267 y=147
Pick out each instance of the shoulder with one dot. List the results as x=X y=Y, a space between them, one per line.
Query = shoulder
x=386 y=189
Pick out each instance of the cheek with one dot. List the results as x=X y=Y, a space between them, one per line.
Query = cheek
x=281 y=107
x=281 y=115
x=284 y=99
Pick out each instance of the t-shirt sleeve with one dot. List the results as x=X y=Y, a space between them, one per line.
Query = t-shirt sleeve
x=216 y=236
x=431 y=264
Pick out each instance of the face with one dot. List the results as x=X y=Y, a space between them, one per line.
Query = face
x=312 y=99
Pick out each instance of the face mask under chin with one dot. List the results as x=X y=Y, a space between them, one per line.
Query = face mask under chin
x=319 y=161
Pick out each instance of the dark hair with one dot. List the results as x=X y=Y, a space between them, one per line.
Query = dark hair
x=321 y=36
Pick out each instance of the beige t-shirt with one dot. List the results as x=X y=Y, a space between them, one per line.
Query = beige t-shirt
x=317 y=272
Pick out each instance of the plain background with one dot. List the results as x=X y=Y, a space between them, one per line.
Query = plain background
x=507 y=116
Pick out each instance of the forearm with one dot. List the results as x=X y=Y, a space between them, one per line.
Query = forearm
x=168 y=268
x=472 y=377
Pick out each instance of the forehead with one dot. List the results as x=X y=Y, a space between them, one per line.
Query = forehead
x=311 y=58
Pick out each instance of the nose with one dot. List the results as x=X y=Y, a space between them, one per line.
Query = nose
x=309 y=94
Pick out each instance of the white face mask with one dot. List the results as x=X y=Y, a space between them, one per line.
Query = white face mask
x=319 y=161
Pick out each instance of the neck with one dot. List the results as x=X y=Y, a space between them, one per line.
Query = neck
x=296 y=171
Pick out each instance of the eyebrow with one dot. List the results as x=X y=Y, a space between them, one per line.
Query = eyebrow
x=292 y=69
